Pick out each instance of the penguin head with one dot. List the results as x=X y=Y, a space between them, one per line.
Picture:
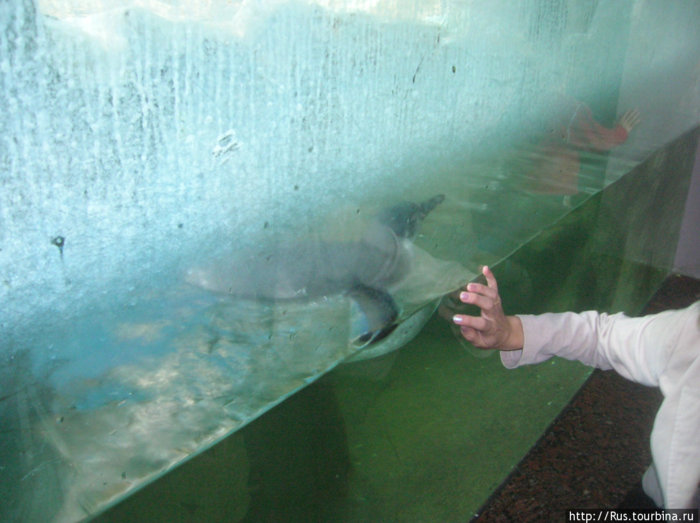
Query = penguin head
x=405 y=218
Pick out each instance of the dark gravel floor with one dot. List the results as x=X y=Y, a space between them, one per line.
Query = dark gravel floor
x=595 y=453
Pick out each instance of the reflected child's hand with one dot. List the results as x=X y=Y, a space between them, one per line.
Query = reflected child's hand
x=629 y=120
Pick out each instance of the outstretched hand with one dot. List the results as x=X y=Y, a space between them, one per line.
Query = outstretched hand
x=630 y=119
x=492 y=329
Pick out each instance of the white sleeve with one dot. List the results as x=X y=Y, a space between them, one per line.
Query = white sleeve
x=660 y=350
x=637 y=348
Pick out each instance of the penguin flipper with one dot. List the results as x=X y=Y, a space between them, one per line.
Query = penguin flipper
x=380 y=313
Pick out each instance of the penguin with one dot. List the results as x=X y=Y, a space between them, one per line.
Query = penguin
x=364 y=270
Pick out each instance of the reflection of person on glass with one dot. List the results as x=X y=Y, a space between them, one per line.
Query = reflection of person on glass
x=661 y=350
x=543 y=173
x=556 y=160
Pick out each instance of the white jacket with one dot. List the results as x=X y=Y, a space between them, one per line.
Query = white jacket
x=661 y=350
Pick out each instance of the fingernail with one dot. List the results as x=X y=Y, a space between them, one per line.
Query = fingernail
x=463 y=296
x=457 y=319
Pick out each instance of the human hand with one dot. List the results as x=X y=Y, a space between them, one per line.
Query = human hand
x=629 y=120
x=492 y=329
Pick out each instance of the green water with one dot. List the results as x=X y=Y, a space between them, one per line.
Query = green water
x=429 y=432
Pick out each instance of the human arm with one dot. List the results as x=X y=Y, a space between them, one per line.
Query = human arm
x=637 y=348
x=591 y=338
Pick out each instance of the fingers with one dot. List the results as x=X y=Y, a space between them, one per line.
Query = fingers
x=470 y=322
x=490 y=278
x=474 y=335
x=630 y=119
x=471 y=335
x=492 y=329
x=478 y=338
x=483 y=296
x=478 y=290
x=484 y=300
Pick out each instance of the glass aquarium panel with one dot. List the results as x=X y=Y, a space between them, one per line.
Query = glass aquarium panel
x=206 y=206
x=429 y=432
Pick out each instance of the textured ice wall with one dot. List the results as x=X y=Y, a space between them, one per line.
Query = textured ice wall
x=140 y=139
x=142 y=136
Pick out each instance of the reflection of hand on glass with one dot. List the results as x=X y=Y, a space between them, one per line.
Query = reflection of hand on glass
x=553 y=166
x=493 y=329
x=629 y=120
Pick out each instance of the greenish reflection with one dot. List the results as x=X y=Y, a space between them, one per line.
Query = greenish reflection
x=428 y=432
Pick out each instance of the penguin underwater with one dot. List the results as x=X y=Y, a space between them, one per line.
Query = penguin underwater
x=364 y=270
